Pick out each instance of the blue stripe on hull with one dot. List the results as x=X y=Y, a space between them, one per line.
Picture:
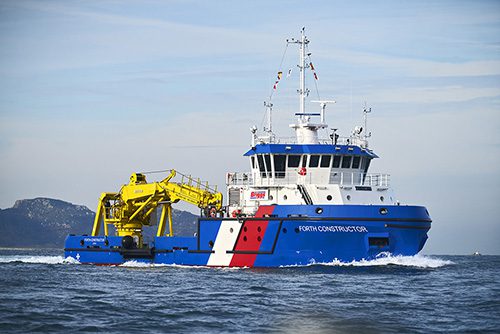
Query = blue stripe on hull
x=295 y=235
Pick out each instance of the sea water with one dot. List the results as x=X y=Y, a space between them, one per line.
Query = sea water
x=41 y=291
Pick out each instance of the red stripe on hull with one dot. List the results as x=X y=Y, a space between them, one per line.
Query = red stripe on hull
x=250 y=238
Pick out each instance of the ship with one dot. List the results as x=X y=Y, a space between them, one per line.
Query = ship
x=305 y=200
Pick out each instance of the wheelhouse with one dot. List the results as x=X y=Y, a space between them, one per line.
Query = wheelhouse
x=316 y=164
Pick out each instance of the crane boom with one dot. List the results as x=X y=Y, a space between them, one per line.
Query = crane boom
x=132 y=207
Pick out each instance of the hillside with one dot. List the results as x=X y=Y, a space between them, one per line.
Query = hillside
x=45 y=222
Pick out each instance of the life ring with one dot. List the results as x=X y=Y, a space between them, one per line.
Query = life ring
x=213 y=213
x=235 y=213
x=303 y=171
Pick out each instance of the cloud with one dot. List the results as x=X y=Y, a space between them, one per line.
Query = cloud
x=79 y=37
x=437 y=94
x=415 y=67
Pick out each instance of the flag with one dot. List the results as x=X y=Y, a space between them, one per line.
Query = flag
x=289 y=73
x=279 y=75
x=312 y=67
x=315 y=76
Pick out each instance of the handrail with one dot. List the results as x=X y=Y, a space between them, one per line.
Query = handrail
x=283 y=178
x=353 y=140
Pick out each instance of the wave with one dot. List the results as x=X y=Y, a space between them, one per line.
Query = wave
x=386 y=259
x=138 y=264
x=37 y=259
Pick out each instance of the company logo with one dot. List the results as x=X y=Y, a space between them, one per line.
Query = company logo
x=258 y=195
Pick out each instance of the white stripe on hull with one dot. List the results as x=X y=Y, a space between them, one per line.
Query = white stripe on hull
x=225 y=240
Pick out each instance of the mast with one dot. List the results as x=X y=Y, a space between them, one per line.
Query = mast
x=303 y=92
x=366 y=111
x=302 y=67
x=306 y=130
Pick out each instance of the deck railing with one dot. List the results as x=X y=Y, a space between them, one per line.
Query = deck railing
x=355 y=141
x=341 y=178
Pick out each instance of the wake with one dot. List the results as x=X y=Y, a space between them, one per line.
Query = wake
x=386 y=259
x=37 y=259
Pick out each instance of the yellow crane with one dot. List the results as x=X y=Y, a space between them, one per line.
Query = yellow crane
x=133 y=206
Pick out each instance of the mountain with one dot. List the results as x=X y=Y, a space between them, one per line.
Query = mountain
x=45 y=222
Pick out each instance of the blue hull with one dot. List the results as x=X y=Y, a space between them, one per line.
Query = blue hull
x=284 y=235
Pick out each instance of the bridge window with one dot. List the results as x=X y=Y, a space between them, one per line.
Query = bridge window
x=355 y=162
x=346 y=161
x=304 y=161
x=325 y=161
x=365 y=163
x=314 y=161
x=262 y=169
x=336 y=161
x=293 y=161
x=279 y=166
x=267 y=160
x=252 y=158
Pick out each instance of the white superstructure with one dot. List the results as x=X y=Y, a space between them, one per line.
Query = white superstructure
x=307 y=170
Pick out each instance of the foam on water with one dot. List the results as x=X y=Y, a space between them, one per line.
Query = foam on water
x=37 y=259
x=138 y=264
x=384 y=259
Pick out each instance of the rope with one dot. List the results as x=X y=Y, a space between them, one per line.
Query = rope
x=315 y=81
x=279 y=69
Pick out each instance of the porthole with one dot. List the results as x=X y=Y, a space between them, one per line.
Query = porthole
x=210 y=244
x=285 y=197
x=259 y=238
x=319 y=211
x=82 y=242
x=245 y=238
x=231 y=230
x=381 y=198
x=348 y=197
x=271 y=197
x=383 y=211
x=245 y=229
x=284 y=230
x=259 y=229
x=297 y=230
x=329 y=197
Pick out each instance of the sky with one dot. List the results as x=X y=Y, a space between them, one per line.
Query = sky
x=91 y=91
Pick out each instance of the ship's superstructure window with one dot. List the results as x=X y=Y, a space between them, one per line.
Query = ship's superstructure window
x=262 y=169
x=325 y=161
x=293 y=161
x=336 y=161
x=346 y=161
x=365 y=163
x=314 y=161
x=267 y=160
x=275 y=165
x=355 y=162
x=279 y=166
